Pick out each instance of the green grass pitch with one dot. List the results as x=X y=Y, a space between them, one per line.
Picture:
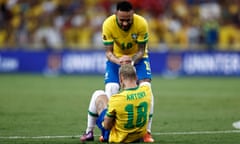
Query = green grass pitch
x=188 y=110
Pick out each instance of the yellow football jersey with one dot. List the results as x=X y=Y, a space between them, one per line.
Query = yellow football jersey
x=131 y=110
x=125 y=42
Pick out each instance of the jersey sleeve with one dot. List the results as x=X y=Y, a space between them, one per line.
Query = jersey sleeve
x=111 y=110
x=143 y=31
x=106 y=33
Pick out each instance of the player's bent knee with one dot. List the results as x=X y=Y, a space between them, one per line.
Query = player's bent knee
x=98 y=93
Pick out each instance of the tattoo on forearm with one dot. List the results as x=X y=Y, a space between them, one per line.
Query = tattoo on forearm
x=137 y=57
x=134 y=58
x=110 y=56
x=139 y=54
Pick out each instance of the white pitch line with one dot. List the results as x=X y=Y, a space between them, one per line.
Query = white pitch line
x=197 y=132
x=37 y=137
x=156 y=133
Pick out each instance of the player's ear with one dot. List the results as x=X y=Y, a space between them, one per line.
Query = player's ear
x=121 y=81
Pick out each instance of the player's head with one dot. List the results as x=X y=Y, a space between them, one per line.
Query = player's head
x=127 y=73
x=124 y=15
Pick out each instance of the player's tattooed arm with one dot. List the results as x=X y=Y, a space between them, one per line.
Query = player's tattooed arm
x=108 y=122
x=110 y=56
x=139 y=54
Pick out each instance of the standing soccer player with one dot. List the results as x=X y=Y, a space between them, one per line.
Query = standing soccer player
x=126 y=34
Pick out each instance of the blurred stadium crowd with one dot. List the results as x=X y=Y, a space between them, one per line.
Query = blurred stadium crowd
x=76 y=24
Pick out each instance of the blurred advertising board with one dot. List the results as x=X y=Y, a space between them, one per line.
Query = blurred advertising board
x=186 y=63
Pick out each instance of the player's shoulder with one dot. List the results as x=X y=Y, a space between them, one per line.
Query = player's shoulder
x=117 y=95
x=116 y=98
x=121 y=94
x=138 y=17
x=110 y=19
x=140 y=21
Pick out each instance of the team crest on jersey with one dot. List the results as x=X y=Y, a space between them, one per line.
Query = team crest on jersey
x=134 y=36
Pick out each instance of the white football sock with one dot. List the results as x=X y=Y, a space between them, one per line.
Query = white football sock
x=91 y=123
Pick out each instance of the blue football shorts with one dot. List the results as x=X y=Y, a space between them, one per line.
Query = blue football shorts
x=105 y=133
x=142 y=67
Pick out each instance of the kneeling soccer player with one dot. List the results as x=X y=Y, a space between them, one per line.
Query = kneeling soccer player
x=125 y=116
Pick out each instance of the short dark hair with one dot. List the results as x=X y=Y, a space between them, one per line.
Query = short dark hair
x=124 y=6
